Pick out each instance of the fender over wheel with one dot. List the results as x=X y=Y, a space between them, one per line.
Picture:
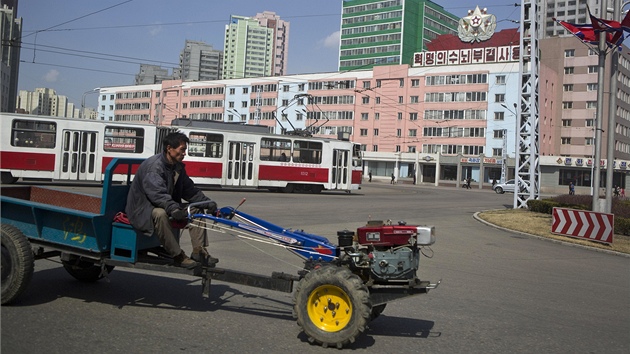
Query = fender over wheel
x=17 y=263
x=332 y=306
x=85 y=271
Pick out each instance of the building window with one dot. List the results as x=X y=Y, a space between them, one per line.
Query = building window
x=567 y=87
x=375 y=132
x=245 y=90
x=415 y=83
x=591 y=104
x=402 y=82
x=591 y=87
x=399 y=115
x=569 y=53
x=567 y=105
x=499 y=97
x=378 y=100
x=363 y=132
x=500 y=80
x=411 y=149
x=366 y=84
x=498 y=134
x=232 y=91
x=364 y=116
x=412 y=132
x=377 y=116
x=592 y=69
x=301 y=87
x=413 y=99
x=566 y=122
x=285 y=88
x=398 y=132
x=568 y=70
x=499 y=115
x=565 y=141
x=588 y=141
x=400 y=99
x=590 y=122
x=244 y=104
x=366 y=99
x=374 y=148
x=231 y=104
x=497 y=152
x=413 y=116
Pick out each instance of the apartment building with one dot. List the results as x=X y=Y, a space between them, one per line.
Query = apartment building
x=10 y=34
x=389 y=32
x=198 y=61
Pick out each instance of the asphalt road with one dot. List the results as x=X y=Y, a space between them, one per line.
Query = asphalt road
x=501 y=291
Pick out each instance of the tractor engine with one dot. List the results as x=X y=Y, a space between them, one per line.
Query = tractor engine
x=392 y=252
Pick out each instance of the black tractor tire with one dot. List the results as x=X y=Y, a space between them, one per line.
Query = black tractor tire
x=332 y=306
x=377 y=311
x=18 y=263
x=85 y=271
x=499 y=190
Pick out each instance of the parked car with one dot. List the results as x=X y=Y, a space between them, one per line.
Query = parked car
x=501 y=188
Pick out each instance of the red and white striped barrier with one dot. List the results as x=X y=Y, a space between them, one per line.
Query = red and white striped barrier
x=584 y=224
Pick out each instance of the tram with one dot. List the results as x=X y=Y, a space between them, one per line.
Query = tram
x=67 y=149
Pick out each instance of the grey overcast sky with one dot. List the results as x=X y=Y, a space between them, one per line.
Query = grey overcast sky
x=74 y=46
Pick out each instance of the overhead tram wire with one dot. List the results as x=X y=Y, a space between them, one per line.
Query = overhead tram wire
x=77 y=18
x=50 y=29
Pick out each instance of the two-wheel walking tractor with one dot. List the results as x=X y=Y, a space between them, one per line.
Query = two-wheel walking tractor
x=338 y=292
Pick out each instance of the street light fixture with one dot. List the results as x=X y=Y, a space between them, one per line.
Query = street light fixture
x=504 y=150
x=82 y=112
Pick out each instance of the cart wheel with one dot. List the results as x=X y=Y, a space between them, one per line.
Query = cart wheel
x=377 y=311
x=84 y=271
x=332 y=306
x=17 y=263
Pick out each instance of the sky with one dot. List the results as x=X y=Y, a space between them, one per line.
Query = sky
x=75 y=46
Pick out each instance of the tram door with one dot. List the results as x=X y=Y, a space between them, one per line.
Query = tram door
x=240 y=166
x=78 y=156
x=341 y=178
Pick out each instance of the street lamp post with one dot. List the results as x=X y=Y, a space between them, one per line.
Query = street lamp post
x=505 y=156
x=82 y=112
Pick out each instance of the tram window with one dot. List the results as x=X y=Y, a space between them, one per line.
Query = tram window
x=205 y=144
x=123 y=139
x=32 y=133
x=356 y=155
x=275 y=149
x=307 y=151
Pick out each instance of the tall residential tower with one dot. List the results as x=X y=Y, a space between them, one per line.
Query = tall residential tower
x=255 y=46
x=11 y=35
x=389 y=32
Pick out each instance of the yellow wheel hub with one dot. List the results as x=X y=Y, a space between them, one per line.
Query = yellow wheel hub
x=329 y=308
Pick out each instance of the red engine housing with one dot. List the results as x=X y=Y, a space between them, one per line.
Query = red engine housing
x=386 y=235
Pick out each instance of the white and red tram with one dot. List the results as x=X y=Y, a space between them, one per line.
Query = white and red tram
x=64 y=149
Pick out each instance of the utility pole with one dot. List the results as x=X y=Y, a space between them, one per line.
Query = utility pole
x=599 y=115
x=612 y=114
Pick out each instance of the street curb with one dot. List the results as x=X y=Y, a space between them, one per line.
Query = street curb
x=614 y=253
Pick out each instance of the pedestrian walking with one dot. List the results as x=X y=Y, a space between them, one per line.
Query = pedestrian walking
x=393 y=179
x=571 y=188
x=370 y=176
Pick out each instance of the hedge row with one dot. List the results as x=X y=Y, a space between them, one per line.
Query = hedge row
x=620 y=208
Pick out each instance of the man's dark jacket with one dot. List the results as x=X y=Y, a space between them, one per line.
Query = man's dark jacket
x=153 y=187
